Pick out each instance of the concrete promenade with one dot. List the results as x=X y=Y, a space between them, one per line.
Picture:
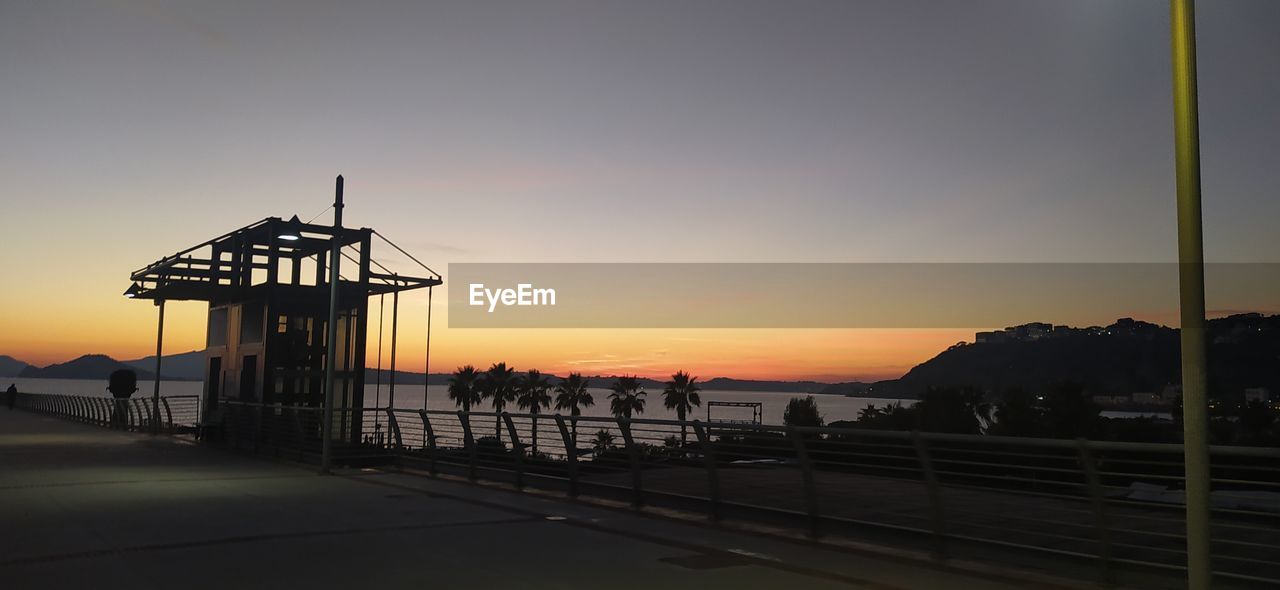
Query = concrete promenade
x=85 y=507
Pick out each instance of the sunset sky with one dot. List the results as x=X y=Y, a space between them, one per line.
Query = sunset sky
x=597 y=131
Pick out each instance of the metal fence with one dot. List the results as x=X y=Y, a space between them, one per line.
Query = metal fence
x=1119 y=506
x=176 y=413
x=1116 y=506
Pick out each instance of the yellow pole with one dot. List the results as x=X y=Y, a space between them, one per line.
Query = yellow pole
x=1191 y=285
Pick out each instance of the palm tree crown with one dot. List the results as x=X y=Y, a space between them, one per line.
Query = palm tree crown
x=462 y=387
x=533 y=395
x=533 y=392
x=572 y=395
x=498 y=386
x=627 y=397
x=681 y=395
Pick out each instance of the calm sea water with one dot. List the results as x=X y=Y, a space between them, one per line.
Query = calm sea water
x=833 y=407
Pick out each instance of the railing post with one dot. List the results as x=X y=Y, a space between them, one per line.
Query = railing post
x=570 y=453
x=233 y=425
x=429 y=444
x=258 y=424
x=713 y=478
x=517 y=450
x=633 y=456
x=137 y=413
x=151 y=419
x=806 y=477
x=168 y=413
x=299 y=435
x=469 y=442
x=936 y=516
x=394 y=426
x=1093 y=484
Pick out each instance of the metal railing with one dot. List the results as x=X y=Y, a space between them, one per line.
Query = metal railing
x=125 y=414
x=1114 y=505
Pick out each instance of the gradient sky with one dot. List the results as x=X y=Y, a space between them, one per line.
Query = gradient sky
x=894 y=130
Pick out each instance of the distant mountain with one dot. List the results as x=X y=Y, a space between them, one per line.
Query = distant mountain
x=11 y=367
x=89 y=366
x=371 y=376
x=854 y=388
x=409 y=378
x=1125 y=357
x=603 y=381
x=730 y=384
x=187 y=366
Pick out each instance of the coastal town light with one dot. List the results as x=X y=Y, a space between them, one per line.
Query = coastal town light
x=132 y=291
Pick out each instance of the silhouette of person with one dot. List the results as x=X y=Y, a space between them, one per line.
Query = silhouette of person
x=13 y=394
x=122 y=384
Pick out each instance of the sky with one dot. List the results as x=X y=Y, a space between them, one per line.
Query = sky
x=599 y=131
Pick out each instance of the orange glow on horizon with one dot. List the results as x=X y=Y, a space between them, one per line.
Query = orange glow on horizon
x=125 y=329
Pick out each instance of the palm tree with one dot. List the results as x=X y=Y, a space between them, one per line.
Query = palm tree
x=463 y=389
x=681 y=395
x=572 y=395
x=602 y=441
x=498 y=386
x=533 y=396
x=627 y=397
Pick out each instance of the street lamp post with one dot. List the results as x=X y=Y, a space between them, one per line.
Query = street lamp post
x=155 y=391
x=1191 y=285
x=335 y=256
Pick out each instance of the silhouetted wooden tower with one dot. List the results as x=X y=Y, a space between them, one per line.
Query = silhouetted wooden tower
x=268 y=291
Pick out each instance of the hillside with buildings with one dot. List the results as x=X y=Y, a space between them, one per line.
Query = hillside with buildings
x=1129 y=362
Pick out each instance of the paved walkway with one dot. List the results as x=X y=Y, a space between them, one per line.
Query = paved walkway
x=84 y=507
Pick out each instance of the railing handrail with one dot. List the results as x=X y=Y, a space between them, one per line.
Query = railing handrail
x=902 y=435
x=897 y=435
